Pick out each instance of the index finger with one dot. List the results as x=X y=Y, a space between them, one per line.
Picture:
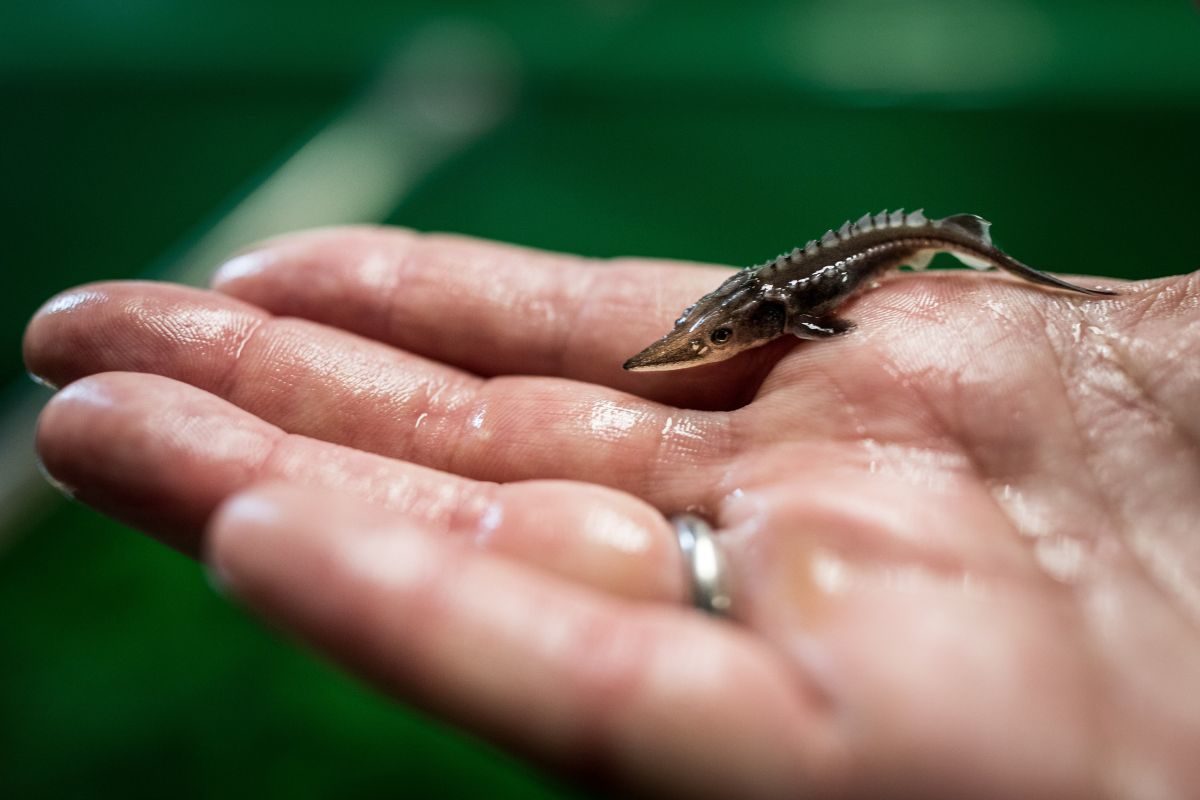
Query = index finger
x=494 y=309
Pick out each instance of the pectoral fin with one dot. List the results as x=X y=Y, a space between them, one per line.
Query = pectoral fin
x=921 y=258
x=809 y=327
x=972 y=261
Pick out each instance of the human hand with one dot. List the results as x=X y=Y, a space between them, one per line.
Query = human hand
x=963 y=537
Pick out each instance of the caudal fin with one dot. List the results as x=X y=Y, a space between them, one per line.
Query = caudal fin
x=978 y=229
x=1010 y=264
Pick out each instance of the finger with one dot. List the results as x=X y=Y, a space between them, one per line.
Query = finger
x=658 y=699
x=494 y=309
x=938 y=633
x=161 y=456
x=325 y=383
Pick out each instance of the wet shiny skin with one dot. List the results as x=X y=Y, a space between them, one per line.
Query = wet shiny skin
x=800 y=292
x=963 y=538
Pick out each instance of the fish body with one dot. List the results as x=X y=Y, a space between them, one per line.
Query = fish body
x=799 y=292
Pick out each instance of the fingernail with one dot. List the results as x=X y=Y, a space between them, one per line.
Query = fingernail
x=66 y=490
x=40 y=381
x=243 y=265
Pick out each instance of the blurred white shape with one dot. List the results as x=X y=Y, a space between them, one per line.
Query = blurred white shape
x=22 y=485
x=920 y=46
x=452 y=82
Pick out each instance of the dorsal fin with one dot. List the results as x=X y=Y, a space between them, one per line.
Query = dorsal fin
x=972 y=224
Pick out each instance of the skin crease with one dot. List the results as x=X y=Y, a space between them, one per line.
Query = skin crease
x=963 y=536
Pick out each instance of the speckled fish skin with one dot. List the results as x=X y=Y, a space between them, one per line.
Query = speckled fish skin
x=799 y=292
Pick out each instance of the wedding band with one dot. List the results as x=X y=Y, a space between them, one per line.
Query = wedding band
x=705 y=564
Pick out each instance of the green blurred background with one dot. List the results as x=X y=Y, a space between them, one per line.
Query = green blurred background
x=146 y=139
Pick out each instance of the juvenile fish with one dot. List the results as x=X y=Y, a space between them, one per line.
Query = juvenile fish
x=799 y=292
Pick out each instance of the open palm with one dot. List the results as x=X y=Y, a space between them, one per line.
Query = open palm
x=965 y=537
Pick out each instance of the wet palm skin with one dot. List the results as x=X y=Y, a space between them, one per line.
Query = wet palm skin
x=964 y=536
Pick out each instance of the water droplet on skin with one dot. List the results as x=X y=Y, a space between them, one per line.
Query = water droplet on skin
x=611 y=421
x=999 y=311
x=615 y=531
x=1060 y=557
x=489 y=523
x=829 y=573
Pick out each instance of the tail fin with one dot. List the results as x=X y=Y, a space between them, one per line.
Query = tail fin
x=978 y=228
x=1010 y=264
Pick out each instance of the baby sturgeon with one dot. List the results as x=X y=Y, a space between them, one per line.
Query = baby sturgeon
x=798 y=292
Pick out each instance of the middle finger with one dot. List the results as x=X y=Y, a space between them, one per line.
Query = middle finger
x=162 y=455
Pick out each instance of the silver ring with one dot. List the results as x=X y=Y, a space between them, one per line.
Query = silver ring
x=705 y=563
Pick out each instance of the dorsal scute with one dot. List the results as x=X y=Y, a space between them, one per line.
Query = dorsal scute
x=778 y=261
x=884 y=219
x=968 y=223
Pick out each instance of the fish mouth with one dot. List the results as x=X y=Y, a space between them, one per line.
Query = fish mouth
x=668 y=353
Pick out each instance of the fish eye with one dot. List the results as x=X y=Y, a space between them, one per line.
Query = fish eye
x=721 y=335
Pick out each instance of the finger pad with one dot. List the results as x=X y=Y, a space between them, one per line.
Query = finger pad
x=137 y=327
